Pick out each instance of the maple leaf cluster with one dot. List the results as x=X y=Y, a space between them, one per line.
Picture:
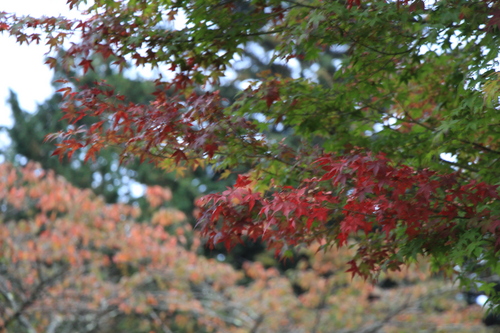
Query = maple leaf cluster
x=357 y=193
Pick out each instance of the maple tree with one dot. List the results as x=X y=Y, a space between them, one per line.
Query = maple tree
x=418 y=80
x=72 y=263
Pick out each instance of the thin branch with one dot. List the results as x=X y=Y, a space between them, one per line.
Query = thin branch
x=270 y=32
x=321 y=306
x=54 y=323
x=18 y=314
x=462 y=166
x=409 y=50
x=377 y=326
x=157 y=318
x=299 y=4
x=258 y=322
x=477 y=145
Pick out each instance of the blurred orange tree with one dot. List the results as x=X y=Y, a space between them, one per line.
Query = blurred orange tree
x=71 y=263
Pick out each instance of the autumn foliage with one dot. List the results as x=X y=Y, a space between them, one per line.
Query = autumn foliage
x=362 y=158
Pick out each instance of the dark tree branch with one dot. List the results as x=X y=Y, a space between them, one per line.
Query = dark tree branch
x=35 y=294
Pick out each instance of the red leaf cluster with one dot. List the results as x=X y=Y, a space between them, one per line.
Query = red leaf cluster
x=358 y=193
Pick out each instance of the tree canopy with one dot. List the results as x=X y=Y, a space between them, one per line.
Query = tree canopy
x=365 y=164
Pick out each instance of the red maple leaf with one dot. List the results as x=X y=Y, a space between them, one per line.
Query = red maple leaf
x=242 y=181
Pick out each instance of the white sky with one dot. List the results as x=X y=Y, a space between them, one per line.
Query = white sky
x=22 y=68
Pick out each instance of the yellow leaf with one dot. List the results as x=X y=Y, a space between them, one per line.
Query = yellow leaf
x=180 y=171
x=225 y=174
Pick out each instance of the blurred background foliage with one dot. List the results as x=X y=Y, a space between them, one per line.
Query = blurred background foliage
x=73 y=263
